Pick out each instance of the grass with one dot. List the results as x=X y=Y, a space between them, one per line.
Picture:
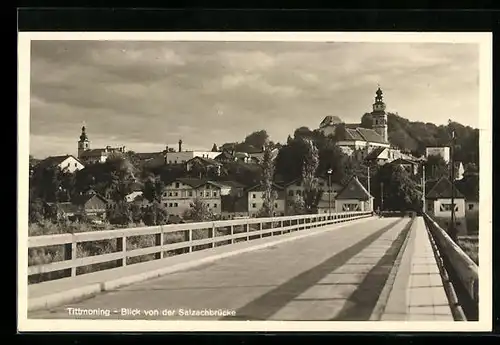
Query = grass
x=470 y=246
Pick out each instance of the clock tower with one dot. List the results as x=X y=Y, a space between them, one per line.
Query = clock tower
x=379 y=115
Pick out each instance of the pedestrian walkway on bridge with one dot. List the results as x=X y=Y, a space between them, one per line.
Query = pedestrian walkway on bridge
x=340 y=272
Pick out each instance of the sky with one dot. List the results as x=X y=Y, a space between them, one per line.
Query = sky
x=146 y=95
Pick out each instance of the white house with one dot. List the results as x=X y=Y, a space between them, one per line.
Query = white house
x=256 y=200
x=67 y=163
x=180 y=194
x=438 y=204
x=353 y=197
x=296 y=188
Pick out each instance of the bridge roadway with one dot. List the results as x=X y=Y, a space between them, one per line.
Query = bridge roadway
x=335 y=275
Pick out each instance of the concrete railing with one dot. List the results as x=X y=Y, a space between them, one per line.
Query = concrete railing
x=463 y=268
x=231 y=230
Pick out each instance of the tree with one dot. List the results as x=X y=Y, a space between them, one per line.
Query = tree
x=153 y=189
x=36 y=211
x=257 y=139
x=215 y=148
x=155 y=214
x=198 y=212
x=296 y=206
x=270 y=194
x=435 y=167
x=312 y=192
x=401 y=192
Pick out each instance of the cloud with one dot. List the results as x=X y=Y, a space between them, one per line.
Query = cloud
x=147 y=94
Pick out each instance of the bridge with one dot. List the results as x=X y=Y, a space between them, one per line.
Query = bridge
x=351 y=266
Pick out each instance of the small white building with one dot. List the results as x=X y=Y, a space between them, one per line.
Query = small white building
x=438 y=204
x=256 y=200
x=67 y=163
x=353 y=197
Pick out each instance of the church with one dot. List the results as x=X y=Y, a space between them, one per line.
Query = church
x=353 y=138
x=99 y=155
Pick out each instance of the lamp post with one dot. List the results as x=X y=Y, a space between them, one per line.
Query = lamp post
x=452 y=229
x=329 y=173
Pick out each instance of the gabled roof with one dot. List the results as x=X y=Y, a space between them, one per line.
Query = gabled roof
x=260 y=187
x=224 y=155
x=66 y=207
x=232 y=184
x=196 y=182
x=149 y=155
x=56 y=160
x=375 y=153
x=353 y=190
x=441 y=189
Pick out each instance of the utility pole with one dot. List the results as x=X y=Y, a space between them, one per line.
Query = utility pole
x=370 y=199
x=423 y=187
x=381 y=196
x=329 y=172
x=452 y=229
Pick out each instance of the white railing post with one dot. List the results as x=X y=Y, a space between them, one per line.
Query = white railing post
x=190 y=240
x=260 y=229
x=212 y=236
x=232 y=233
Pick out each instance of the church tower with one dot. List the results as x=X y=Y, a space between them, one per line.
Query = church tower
x=83 y=143
x=379 y=116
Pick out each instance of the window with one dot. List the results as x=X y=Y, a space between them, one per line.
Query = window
x=430 y=207
x=290 y=193
x=190 y=193
x=176 y=204
x=298 y=192
x=447 y=207
x=177 y=185
x=176 y=193
x=471 y=206
x=254 y=205
x=169 y=204
x=275 y=205
x=169 y=193
x=254 y=196
x=207 y=194
x=201 y=193
x=215 y=193
x=165 y=194
x=215 y=205
x=76 y=165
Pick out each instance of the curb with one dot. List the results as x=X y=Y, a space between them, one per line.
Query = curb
x=380 y=306
x=79 y=293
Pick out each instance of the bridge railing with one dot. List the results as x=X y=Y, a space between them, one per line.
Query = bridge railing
x=462 y=270
x=218 y=232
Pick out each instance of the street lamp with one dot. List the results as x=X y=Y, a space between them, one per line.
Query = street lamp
x=329 y=172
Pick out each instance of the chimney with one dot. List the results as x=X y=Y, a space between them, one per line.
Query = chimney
x=180 y=145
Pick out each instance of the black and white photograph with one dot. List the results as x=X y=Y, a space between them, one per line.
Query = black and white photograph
x=256 y=181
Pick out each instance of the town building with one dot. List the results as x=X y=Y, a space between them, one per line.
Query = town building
x=256 y=199
x=443 y=151
x=67 y=163
x=353 y=197
x=438 y=204
x=409 y=165
x=182 y=157
x=90 y=204
x=99 y=155
x=135 y=191
x=178 y=195
x=295 y=188
x=204 y=165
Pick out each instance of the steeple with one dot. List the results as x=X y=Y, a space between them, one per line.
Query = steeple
x=379 y=116
x=83 y=143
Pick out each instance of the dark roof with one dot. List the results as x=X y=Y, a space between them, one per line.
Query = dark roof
x=441 y=188
x=330 y=120
x=82 y=199
x=66 y=207
x=370 y=135
x=375 y=153
x=352 y=134
x=136 y=187
x=149 y=155
x=224 y=156
x=469 y=187
x=260 y=187
x=232 y=184
x=195 y=182
x=55 y=160
x=93 y=152
x=403 y=161
x=353 y=190
x=207 y=161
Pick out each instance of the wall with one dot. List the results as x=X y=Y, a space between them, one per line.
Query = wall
x=258 y=202
x=443 y=218
x=130 y=197
x=177 y=197
x=472 y=216
x=184 y=156
x=362 y=205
